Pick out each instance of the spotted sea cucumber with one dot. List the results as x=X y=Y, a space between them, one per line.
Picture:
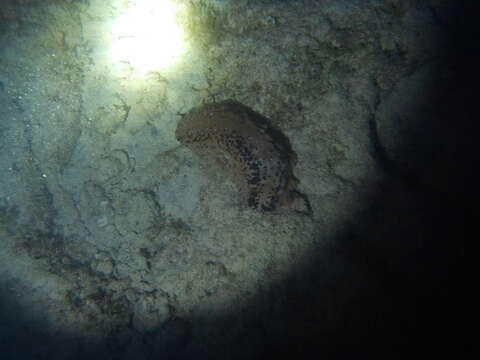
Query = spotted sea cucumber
x=260 y=154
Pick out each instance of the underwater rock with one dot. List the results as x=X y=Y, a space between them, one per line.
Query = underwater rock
x=260 y=155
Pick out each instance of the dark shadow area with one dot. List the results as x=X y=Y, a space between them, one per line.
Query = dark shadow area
x=408 y=280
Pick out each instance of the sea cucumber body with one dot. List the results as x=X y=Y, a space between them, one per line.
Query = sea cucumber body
x=261 y=155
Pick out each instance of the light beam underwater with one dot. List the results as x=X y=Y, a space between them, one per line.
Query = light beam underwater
x=147 y=36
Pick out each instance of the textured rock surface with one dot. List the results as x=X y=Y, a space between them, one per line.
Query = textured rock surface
x=425 y=151
x=260 y=155
x=117 y=242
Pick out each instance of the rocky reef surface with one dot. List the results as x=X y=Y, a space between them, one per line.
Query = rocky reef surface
x=117 y=241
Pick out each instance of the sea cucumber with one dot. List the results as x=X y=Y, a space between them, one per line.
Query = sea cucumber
x=260 y=154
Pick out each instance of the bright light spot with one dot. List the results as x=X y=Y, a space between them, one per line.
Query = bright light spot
x=147 y=36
